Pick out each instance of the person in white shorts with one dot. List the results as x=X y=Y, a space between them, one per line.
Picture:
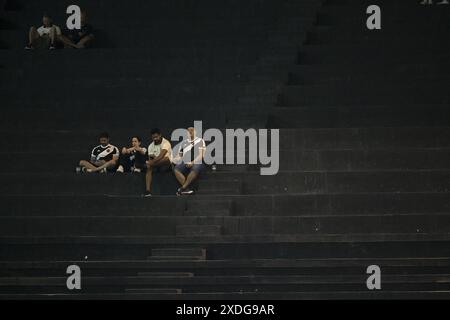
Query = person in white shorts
x=45 y=36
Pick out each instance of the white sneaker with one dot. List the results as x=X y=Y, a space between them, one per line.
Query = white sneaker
x=103 y=170
x=136 y=170
x=443 y=2
x=120 y=169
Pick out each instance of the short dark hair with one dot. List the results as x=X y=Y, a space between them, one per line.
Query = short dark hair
x=104 y=135
x=46 y=15
x=155 y=130
x=137 y=137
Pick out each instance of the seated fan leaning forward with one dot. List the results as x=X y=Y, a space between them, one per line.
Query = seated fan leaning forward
x=159 y=158
x=104 y=157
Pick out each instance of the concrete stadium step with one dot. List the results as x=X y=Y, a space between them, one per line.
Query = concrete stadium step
x=390 y=203
x=285 y=182
x=153 y=291
x=372 y=55
x=325 y=72
x=241 y=283
x=330 y=160
x=198 y=230
x=341 y=266
x=366 y=138
x=317 y=39
x=138 y=89
x=357 y=76
x=151 y=103
x=415 y=265
x=85 y=119
x=400 y=31
x=320 y=295
x=304 y=246
x=399 y=138
x=178 y=253
x=107 y=184
x=365 y=160
x=313 y=95
x=40 y=58
x=351 y=116
x=215 y=226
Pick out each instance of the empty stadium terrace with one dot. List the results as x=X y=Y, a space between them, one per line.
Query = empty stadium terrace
x=364 y=179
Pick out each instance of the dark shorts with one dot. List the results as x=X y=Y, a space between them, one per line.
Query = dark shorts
x=198 y=168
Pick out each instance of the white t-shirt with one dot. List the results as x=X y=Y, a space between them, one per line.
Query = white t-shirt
x=155 y=149
x=43 y=30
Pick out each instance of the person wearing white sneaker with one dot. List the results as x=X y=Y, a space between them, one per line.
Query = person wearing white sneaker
x=45 y=36
x=104 y=157
x=132 y=159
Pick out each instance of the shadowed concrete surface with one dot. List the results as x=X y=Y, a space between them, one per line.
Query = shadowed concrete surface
x=364 y=151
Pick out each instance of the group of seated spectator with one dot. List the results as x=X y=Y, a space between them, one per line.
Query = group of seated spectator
x=157 y=157
x=50 y=36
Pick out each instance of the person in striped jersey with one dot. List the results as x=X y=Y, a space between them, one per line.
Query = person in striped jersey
x=104 y=157
x=189 y=162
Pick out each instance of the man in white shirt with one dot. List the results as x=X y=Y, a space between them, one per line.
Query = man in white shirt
x=189 y=162
x=44 y=36
x=159 y=157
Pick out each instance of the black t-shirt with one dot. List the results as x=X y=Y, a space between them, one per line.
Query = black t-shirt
x=137 y=157
x=104 y=153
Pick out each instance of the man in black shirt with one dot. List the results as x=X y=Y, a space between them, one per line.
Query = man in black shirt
x=104 y=157
x=78 y=38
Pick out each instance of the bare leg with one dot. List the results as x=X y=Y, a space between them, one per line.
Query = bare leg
x=190 y=178
x=83 y=42
x=148 y=178
x=52 y=36
x=180 y=177
x=66 y=41
x=107 y=164
x=149 y=175
x=87 y=165
x=33 y=35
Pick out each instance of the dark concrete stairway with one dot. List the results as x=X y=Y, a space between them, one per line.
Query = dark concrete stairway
x=364 y=152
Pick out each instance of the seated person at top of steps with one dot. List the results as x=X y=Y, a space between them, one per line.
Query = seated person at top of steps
x=44 y=37
x=187 y=167
x=104 y=157
x=81 y=38
x=133 y=159
x=159 y=158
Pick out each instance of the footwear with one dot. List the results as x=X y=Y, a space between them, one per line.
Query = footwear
x=187 y=191
x=103 y=170
x=147 y=194
x=179 y=191
x=52 y=47
x=28 y=47
x=83 y=169
x=137 y=170
x=120 y=169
